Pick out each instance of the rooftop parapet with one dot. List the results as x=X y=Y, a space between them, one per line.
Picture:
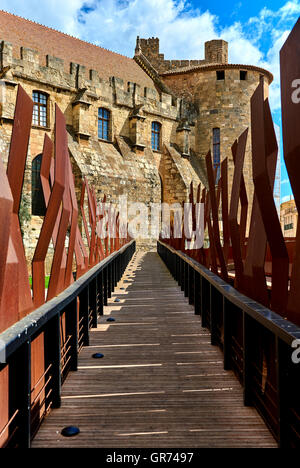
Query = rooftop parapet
x=216 y=51
x=28 y=67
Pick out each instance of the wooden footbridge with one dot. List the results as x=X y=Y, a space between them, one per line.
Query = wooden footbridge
x=160 y=382
x=187 y=346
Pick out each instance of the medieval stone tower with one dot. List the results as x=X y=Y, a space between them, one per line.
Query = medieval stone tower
x=216 y=98
x=139 y=127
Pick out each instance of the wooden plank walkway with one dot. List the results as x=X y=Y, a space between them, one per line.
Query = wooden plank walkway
x=160 y=383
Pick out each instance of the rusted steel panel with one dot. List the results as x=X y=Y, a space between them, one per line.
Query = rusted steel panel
x=255 y=284
x=56 y=282
x=235 y=234
x=244 y=204
x=93 y=222
x=53 y=200
x=212 y=253
x=215 y=216
x=290 y=76
x=83 y=189
x=4 y=407
x=15 y=174
x=264 y=156
x=6 y=207
x=224 y=195
x=45 y=172
x=73 y=208
x=11 y=292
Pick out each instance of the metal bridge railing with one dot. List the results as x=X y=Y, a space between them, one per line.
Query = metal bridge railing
x=256 y=342
x=58 y=330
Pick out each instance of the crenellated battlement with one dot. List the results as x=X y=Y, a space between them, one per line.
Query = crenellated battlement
x=76 y=77
x=216 y=51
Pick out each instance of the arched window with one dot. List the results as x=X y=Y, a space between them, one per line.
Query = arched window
x=155 y=136
x=38 y=206
x=103 y=123
x=40 y=116
x=216 y=151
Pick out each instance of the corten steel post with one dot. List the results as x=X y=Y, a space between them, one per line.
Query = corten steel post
x=101 y=227
x=215 y=216
x=290 y=104
x=235 y=230
x=100 y=217
x=191 y=212
x=53 y=201
x=244 y=204
x=106 y=237
x=111 y=227
x=6 y=263
x=197 y=219
x=212 y=252
x=255 y=284
x=15 y=174
x=79 y=248
x=93 y=223
x=83 y=188
x=98 y=245
x=264 y=157
x=6 y=208
x=47 y=175
x=58 y=268
x=201 y=253
x=72 y=202
x=194 y=252
x=224 y=195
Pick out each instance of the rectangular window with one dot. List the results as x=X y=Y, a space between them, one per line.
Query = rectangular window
x=103 y=123
x=220 y=75
x=243 y=75
x=39 y=116
x=155 y=136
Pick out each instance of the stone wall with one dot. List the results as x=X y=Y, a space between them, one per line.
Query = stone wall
x=223 y=104
x=126 y=163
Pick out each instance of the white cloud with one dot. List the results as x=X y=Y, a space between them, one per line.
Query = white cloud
x=182 y=29
x=287 y=198
x=57 y=14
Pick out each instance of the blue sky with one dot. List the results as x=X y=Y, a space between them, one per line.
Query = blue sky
x=255 y=30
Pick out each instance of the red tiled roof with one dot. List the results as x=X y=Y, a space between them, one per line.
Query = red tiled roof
x=24 y=33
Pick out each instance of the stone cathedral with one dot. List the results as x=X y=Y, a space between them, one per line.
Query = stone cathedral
x=139 y=126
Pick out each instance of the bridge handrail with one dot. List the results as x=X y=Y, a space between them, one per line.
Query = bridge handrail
x=18 y=333
x=58 y=329
x=256 y=343
x=285 y=330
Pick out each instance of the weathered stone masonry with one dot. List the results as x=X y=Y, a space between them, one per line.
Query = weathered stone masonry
x=219 y=93
x=186 y=97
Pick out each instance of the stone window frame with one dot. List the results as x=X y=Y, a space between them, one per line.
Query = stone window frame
x=158 y=149
x=41 y=105
x=110 y=126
